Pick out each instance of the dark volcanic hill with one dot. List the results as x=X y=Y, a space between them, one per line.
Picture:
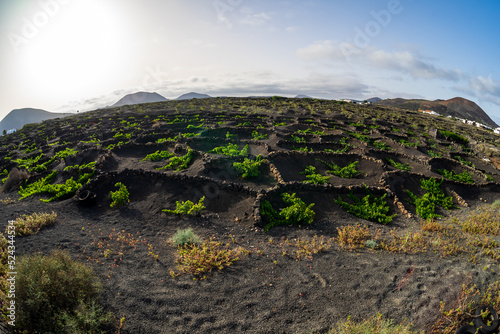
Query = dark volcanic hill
x=17 y=118
x=320 y=204
x=456 y=107
x=138 y=98
x=193 y=95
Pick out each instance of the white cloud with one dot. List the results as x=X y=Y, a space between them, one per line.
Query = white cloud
x=485 y=85
x=292 y=29
x=321 y=50
x=256 y=19
x=403 y=62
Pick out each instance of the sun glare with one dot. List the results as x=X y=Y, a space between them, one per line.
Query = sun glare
x=81 y=45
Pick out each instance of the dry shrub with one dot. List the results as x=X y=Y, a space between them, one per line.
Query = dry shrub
x=55 y=294
x=485 y=220
x=353 y=237
x=460 y=313
x=307 y=248
x=200 y=260
x=14 y=179
x=411 y=242
x=31 y=224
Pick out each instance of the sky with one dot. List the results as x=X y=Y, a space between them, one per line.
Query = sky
x=69 y=55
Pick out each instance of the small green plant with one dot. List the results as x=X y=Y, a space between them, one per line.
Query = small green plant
x=314 y=177
x=454 y=137
x=359 y=136
x=180 y=163
x=191 y=126
x=464 y=177
x=187 y=207
x=304 y=149
x=381 y=145
x=257 y=136
x=90 y=165
x=369 y=207
x=426 y=205
x=119 y=197
x=184 y=237
x=406 y=143
x=31 y=224
x=231 y=150
x=348 y=172
x=249 y=168
x=297 y=213
x=158 y=156
x=398 y=165
x=298 y=139
x=465 y=162
x=190 y=134
x=433 y=154
x=246 y=123
x=230 y=136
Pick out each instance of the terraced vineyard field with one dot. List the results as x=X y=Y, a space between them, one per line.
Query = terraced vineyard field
x=330 y=209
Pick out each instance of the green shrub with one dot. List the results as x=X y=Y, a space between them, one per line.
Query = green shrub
x=257 y=136
x=406 y=143
x=347 y=172
x=55 y=294
x=464 y=177
x=230 y=136
x=59 y=191
x=381 y=145
x=158 y=156
x=231 y=150
x=180 y=163
x=119 y=197
x=359 y=136
x=398 y=165
x=426 y=205
x=314 y=177
x=433 y=154
x=184 y=237
x=465 y=162
x=303 y=149
x=370 y=207
x=187 y=207
x=298 y=139
x=249 y=168
x=454 y=137
x=297 y=213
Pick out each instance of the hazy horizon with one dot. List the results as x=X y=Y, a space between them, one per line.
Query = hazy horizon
x=64 y=56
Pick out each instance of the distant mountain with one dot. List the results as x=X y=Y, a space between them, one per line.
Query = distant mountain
x=193 y=95
x=374 y=99
x=139 y=98
x=302 y=96
x=456 y=107
x=17 y=118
